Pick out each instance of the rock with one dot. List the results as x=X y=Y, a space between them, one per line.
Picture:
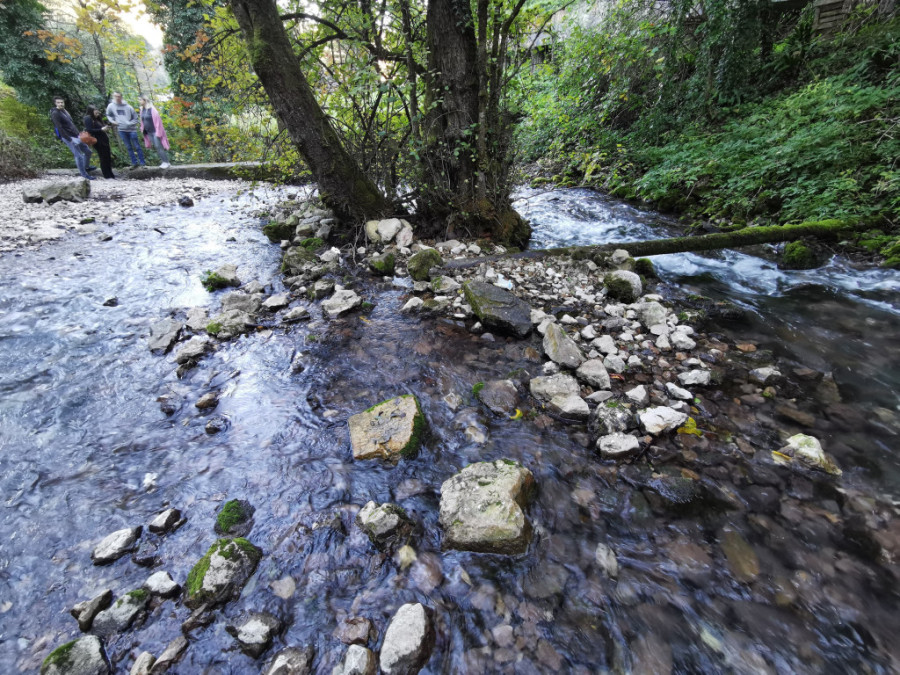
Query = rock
x=570 y=407
x=242 y=302
x=84 y=612
x=498 y=309
x=170 y=655
x=386 y=525
x=606 y=560
x=193 y=349
x=112 y=301
x=638 y=395
x=275 y=302
x=500 y=396
x=163 y=334
x=59 y=191
x=115 y=545
x=546 y=581
x=764 y=375
x=445 y=285
x=185 y=201
x=482 y=508
x=254 y=632
x=296 y=260
x=166 y=521
x=593 y=373
x=356 y=630
x=420 y=264
x=809 y=451
x=161 y=584
x=142 y=664
x=341 y=302
x=623 y=285
x=546 y=387
x=404 y=238
x=357 y=661
x=296 y=314
x=618 y=445
x=609 y=418
x=84 y=656
x=383 y=264
x=560 y=348
x=742 y=559
x=795 y=415
x=331 y=255
x=221 y=573
x=228 y=275
x=677 y=392
x=614 y=363
x=383 y=231
x=682 y=341
x=207 y=401
x=660 y=419
x=390 y=430
x=605 y=345
x=235 y=518
x=408 y=641
x=650 y=313
x=694 y=377
x=412 y=305
x=228 y=324
x=291 y=661
x=119 y=616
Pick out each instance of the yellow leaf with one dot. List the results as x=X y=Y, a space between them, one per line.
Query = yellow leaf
x=517 y=416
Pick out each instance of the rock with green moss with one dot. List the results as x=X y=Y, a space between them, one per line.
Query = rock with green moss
x=296 y=260
x=279 y=230
x=483 y=508
x=220 y=575
x=798 y=256
x=235 y=518
x=390 y=430
x=383 y=264
x=85 y=656
x=119 y=616
x=644 y=267
x=498 y=309
x=386 y=525
x=223 y=277
x=420 y=264
x=623 y=285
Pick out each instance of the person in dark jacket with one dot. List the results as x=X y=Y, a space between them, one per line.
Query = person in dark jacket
x=97 y=126
x=68 y=132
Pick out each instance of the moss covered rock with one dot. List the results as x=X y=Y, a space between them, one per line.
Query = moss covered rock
x=623 y=285
x=235 y=518
x=390 y=430
x=799 y=256
x=296 y=259
x=220 y=575
x=422 y=262
x=85 y=656
x=383 y=264
x=498 y=309
x=278 y=231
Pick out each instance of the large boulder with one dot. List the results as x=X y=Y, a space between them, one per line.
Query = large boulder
x=85 y=656
x=482 y=508
x=420 y=264
x=408 y=641
x=341 y=302
x=546 y=387
x=623 y=285
x=221 y=573
x=560 y=348
x=498 y=309
x=390 y=430
x=59 y=191
x=386 y=525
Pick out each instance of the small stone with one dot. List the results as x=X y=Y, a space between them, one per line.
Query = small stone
x=254 y=632
x=142 y=664
x=166 y=521
x=216 y=425
x=408 y=641
x=285 y=587
x=545 y=388
x=341 y=302
x=208 y=401
x=358 y=660
x=500 y=396
x=276 y=302
x=296 y=314
x=170 y=655
x=164 y=334
x=355 y=630
x=605 y=345
x=161 y=584
x=185 y=201
x=618 y=445
x=694 y=377
x=677 y=392
x=115 y=545
x=84 y=612
x=742 y=559
x=570 y=406
x=660 y=419
x=606 y=560
x=808 y=450
x=614 y=363
x=764 y=375
x=291 y=661
x=593 y=373
x=193 y=349
x=386 y=525
x=111 y=302
x=560 y=348
x=638 y=395
x=390 y=430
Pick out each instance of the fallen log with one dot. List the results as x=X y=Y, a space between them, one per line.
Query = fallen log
x=748 y=236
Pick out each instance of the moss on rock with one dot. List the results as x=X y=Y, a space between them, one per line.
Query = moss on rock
x=278 y=231
x=798 y=256
x=421 y=263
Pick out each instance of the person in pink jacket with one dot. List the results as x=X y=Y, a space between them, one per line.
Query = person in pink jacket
x=154 y=132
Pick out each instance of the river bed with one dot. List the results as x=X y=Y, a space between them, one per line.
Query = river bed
x=85 y=449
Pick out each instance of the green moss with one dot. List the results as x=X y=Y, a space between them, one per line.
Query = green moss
x=366 y=306
x=278 y=231
x=383 y=265
x=420 y=264
x=645 y=268
x=212 y=281
x=476 y=389
x=226 y=549
x=231 y=514
x=60 y=657
x=312 y=243
x=619 y=288
x=411 y=449
x=798 y=256
x=213 y=327
x=138 y=594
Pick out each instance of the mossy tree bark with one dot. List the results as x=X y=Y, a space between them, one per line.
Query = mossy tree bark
x=344 y=187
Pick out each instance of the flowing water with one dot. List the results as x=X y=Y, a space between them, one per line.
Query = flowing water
x=85 y=450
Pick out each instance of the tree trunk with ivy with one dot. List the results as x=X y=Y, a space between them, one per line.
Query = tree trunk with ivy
x=349 y=192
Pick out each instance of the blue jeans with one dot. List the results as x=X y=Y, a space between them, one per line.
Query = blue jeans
x=130 y=138
x=82 y=155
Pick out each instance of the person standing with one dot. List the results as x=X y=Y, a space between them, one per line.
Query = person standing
x=126 y=120
x=96 y=125
x=68 y=132
x=153 y=130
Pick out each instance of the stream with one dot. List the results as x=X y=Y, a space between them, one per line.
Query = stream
x=85 y=449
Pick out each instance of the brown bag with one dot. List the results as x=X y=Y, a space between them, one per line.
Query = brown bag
x=86 y=138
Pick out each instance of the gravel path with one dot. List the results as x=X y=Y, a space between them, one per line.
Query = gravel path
x=29 y=225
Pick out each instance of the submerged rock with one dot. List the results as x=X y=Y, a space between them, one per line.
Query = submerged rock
x=560 y=348
x=500 y=396
x=115 y=545
x=386 y=525
x=84 y=656
x=254 y=632
x=482 y=508
x=389 y=430
x=408 y=641
x=221 y=573
x=498 y=309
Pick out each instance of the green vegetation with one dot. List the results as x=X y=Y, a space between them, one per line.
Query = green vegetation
x=383 y=265
x=798 y=256
x=619 y=289
x=60 y=657
x=213 y=328
x=226 y=549
x=476 y=388
x=213 y=281
x=644 y=267
x=278 y=231
x=312 y=243
x=232 y=513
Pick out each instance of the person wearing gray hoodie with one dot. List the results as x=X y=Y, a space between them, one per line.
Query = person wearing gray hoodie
x=126 y=121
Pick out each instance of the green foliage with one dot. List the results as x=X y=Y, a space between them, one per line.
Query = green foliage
x=312 y=243
x=213 y=328
x=476 y=388
x=60 y=657
x=798 y=256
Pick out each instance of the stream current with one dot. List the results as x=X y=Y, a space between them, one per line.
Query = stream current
x=86 y=450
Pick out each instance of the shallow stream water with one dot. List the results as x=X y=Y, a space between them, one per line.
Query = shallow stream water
x=85 y=450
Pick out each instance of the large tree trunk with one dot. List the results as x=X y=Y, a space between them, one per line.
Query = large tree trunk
x=342 y=184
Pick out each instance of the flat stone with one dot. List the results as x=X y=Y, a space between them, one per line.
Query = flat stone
x=482 y=508
x=677 y=392
x=593 y=373
x=660 y=419
x=242 y=302
x=164 y=334
x=231 y=323
x=296 y=314
x=500 y=396
x=445 y=285
x=229 y=274
x=546 y=387
x=291 y=661
x=341 y=302
x=408 y=641
x=84 y=612
x=161 y=584
x=193 y=349
x=498 y=309
x=389 y=430
x=617 y=445
x=742 y=559
x=694 y=377
x=254 y=632
x=115 y=545
x=570 y=406
x=170 y=655
x=560 y=348
x=275 y=302
x=84 y=656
